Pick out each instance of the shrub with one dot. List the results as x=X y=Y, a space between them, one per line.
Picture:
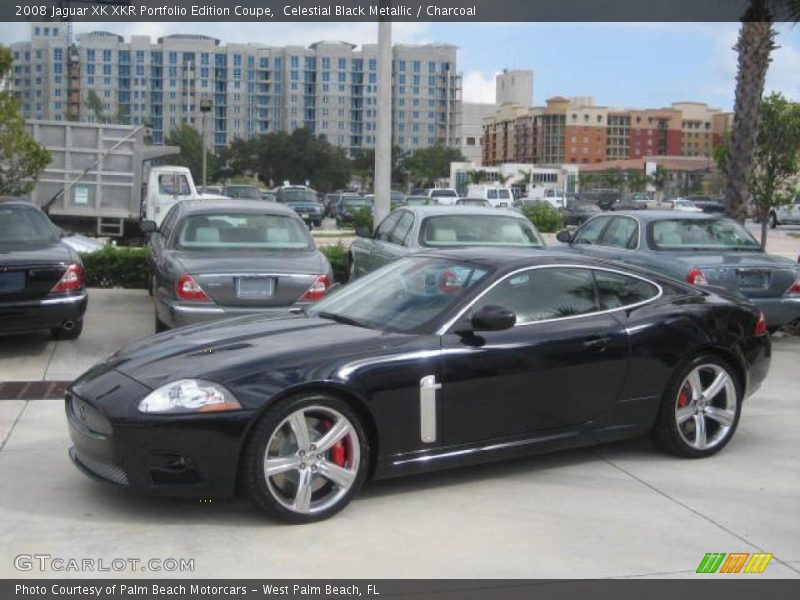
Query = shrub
x=337 y=256
x=362 y=218
x=117 y=267
x=544 y=216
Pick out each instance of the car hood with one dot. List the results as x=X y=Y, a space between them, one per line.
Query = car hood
x=235 y=261
x=230 y=352
x=34 y=254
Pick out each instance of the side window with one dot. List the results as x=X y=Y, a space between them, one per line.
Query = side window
x=400 y=232
x=168 y=223
x=173 y=185
x=590 y=232
x=616 y=290
x=623 y=232
x=543 y=294
x=386 y=226
x=491 y=194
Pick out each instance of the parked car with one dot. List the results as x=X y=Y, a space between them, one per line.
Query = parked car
x=577 y=213
x=244 y=192
x=397 y=198
x=684 y=205
x=443 y=195
x=304 y=202
x=418 y=201
x=442 y=359
x=79 y=242
x=210 y=189
x=41 y=277
x=213 y=260
x=349 y=205
x=414 y=229
x=268 y=195
x=786 y=214
x=707 y=204
x=418 y=192
x=700 y=249
x=605 y=199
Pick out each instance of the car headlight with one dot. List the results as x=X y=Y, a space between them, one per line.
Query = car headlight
x=188 y=396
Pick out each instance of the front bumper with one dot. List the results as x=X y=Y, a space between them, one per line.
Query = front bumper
x=778 y=311
x=44 y=313
x=189 y=456
x=177 y=314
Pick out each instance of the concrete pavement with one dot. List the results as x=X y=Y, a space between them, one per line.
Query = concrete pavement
x=621 y=510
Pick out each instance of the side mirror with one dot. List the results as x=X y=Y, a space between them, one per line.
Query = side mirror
x=493 y=318
x=564 y=236
x=364 y=232
x=148 y=226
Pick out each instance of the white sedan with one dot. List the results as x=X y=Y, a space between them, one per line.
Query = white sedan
x=685 y=206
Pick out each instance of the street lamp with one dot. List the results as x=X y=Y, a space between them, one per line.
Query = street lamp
x=205 y=107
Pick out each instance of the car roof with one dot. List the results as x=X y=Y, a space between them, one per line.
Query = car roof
x=658 y=215
x=14 y=201
x=507 y=259
x=195 y=207
x=436 y=210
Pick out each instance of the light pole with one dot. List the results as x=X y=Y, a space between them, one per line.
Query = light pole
x=383 y=141
x=205 y=107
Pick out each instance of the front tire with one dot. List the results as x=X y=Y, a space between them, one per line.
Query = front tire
x=307 y=458
x=159 y=325
x=700 y=409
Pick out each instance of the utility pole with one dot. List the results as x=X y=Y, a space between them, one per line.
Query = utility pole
x=205 y=108
x=383 y=141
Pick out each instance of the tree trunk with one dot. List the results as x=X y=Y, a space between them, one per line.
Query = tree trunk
x=755 y=44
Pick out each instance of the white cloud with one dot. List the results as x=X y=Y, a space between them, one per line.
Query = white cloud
x=479 y=87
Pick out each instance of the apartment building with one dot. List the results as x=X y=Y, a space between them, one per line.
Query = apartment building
x=328 y=87
x=577 y=131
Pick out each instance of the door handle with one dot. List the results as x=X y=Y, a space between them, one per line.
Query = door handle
x=596 y=343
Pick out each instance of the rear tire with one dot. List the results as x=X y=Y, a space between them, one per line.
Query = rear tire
x=312 y=479
x=61 y=333
x=700 y=409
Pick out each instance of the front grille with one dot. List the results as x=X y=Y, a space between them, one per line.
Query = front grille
x=102 y=468
x=89 y=416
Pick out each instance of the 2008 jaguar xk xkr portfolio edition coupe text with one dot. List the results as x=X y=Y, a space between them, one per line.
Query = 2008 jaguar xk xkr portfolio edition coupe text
x=442 y=359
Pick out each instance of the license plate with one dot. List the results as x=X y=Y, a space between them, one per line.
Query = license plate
x=13 y=281
x=753 y=279
x=255 y=288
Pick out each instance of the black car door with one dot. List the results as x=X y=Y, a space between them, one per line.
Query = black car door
x=561 y=365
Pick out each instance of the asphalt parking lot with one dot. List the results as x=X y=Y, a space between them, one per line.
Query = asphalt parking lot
x=621 y=510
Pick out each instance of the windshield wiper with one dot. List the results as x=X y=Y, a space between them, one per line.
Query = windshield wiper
x=340 y=319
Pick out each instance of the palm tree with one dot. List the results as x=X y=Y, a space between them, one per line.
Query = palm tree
x=754 y=47
x=476 y=176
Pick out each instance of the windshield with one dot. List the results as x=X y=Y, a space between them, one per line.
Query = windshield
x=230 y=231
x=357 y=201
x=25 y=225
x=297 y=196
x=243 y=191
x=478 y=230
x=701 y=234
x=408 y=295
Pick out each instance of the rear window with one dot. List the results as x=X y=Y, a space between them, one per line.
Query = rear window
x=478 y=230
x=230 y=231
x=19 y=224
x=443 y=194
x=243 y=191
x=700 y=234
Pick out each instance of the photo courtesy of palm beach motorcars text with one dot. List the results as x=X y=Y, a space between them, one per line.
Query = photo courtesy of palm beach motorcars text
x=382 y=298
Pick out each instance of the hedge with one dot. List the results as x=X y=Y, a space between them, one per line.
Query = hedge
x=117 y=267
x=130 y=267
x=544 y=216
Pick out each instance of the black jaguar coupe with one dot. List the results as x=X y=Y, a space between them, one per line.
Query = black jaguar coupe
x=438 y=360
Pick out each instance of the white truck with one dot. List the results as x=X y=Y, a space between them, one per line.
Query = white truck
x=99 y=180
x=496 y=195
x=555 y=197
x=786 y=214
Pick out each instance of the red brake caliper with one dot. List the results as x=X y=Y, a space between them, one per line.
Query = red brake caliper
x=339 y=450
x=683 y=398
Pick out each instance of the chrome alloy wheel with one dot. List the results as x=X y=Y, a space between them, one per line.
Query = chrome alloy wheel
x=705 y=409
x=312 y=459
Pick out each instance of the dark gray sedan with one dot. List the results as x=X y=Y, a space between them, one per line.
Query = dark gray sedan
x=414 y=228
x=221 y=259
x=703 y=249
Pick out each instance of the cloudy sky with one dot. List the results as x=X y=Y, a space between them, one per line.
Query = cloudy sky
x=620 y=64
